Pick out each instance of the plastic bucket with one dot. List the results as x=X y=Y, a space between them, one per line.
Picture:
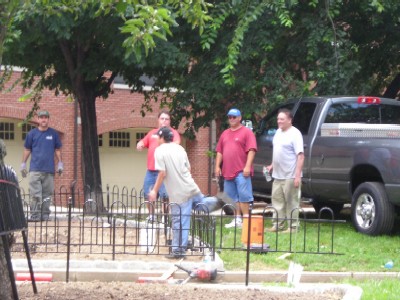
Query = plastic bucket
x=256 y=230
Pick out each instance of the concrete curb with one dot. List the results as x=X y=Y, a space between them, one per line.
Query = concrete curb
x=130 y=271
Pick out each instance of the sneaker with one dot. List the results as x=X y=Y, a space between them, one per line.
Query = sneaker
x=275 y=229
x=150 y=218
x=291 y=230
x=175 y=255
x=237 y=222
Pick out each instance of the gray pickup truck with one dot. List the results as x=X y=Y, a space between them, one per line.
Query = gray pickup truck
x=352 y=155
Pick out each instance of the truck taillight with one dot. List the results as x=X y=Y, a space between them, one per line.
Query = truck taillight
x=369 y=100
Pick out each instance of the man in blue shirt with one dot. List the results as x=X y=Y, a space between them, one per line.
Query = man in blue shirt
x=41 y=144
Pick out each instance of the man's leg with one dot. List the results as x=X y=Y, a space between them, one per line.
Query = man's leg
x=35 y=189
x=205 y=204
x=278 y=203
x=231 y=190
x=292 y=196
x=149 y=181
x=180 y=215
x=47 y=194
x=245 y=192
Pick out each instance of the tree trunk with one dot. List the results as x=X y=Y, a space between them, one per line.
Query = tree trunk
x=5 y=283
x=393 y=88
x=90 y=151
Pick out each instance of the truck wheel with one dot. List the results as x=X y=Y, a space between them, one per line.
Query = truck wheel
x=371 y=211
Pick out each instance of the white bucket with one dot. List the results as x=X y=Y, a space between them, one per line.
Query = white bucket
x=294 y=274
x=148 y=240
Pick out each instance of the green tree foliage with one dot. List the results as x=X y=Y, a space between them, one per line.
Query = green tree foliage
x=254 y=54
x=7 y=12
x=68 y=46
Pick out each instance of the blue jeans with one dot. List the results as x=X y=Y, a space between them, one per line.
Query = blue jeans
x=239 y=189
x=149 y=181
x=205 y=204
x=180 y=219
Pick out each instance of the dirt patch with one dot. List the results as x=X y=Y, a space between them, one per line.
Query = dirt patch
x=124 y=290
x=55 y=237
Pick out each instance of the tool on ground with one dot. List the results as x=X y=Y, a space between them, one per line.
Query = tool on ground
x=164 y=278
x=202 y=273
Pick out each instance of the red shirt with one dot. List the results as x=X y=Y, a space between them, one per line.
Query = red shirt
x=150 y=141
x=234 y=146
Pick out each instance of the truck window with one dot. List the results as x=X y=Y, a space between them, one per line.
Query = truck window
x=363 y=113
x=303 y=116
x=269 y=125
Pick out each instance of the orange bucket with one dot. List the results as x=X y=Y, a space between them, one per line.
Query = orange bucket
x=256 y=230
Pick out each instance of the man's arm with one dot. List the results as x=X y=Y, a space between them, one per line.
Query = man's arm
x=299 y=168
x=177 y=137
x=144 y=142
x=218 y=160
x=25 y=155
x=58 y=155
x=153 y=193
x=249 y=163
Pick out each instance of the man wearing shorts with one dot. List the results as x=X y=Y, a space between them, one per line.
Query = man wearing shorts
x=150 y=141
x=236 y=149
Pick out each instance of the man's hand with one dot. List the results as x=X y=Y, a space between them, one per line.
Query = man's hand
x=217 y=172
x=140 y=146
x=152 y=196
x=24 y=171
x=60 y=167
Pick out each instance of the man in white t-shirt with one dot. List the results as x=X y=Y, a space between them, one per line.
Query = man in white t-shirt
x=173 y=167
x=287 y=165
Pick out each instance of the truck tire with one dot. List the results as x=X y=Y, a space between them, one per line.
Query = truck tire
x=371 y=211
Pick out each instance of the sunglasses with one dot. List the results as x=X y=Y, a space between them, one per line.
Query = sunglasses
x=232 y=117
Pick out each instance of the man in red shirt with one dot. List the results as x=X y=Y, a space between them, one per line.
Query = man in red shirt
x=150 y=141
x=236 y=149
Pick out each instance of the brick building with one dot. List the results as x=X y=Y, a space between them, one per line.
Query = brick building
x=120 y=126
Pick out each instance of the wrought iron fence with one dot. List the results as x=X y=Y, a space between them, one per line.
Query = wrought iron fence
x=121 y=227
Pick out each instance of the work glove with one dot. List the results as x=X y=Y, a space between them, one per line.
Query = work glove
x=24 y=171
x=60 y=167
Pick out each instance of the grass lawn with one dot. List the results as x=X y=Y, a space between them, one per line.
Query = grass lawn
x=355 y=252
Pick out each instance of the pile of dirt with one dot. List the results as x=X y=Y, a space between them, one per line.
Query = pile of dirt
x=126 y=290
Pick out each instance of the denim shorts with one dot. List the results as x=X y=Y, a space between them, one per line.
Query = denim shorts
x=239 y=189
x=149 y=181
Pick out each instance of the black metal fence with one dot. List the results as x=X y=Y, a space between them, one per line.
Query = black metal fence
x=121 y=227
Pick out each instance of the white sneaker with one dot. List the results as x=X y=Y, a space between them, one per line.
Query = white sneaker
x=237 y=222
x=150 y=218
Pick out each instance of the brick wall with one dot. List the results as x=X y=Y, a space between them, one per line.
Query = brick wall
x=121 y=110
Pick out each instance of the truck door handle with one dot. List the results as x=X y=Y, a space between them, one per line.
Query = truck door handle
x=322 y=159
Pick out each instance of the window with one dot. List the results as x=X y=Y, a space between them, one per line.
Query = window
x=269 y=125
x=119 y=139
x=140 y=135
x=25 y=129
x=363 y=113
x=100 y=139
x=6 y=131
x=304 y=114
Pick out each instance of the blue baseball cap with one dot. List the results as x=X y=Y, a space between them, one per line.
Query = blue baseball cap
x=234 y=112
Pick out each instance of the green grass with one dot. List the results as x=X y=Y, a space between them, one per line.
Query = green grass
x=387 y=289
x=355 y=253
